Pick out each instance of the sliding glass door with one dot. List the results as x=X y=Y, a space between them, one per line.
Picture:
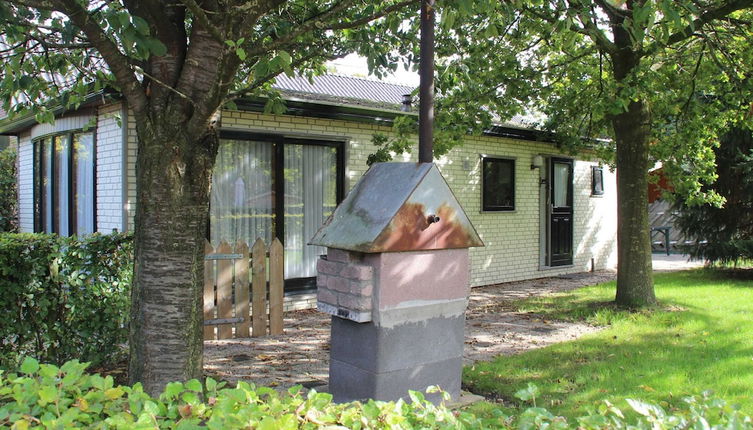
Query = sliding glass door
x=276 y=187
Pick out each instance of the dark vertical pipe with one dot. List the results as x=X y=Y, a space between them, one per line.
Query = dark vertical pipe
x=426 y=85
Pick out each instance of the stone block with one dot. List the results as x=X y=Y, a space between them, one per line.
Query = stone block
x=349 y=301
x=348 y=382
x=358 y=272
x=328 y=267
x=337 y=283
x=321 y=280
x=362 y=288
x=342 y=256
x=326 y=296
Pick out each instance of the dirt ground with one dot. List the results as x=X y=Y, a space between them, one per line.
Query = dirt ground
x=301 y=355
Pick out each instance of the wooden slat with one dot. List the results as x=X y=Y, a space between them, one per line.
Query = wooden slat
x=218 y=321
x=208 y=292
x=259 y=289
x=224 y=291
x=276 y=280
x=241 y=290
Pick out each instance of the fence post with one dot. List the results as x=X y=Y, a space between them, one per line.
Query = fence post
x=259 y=288
x=241 y=290
x=224 y=291
x=276 y=267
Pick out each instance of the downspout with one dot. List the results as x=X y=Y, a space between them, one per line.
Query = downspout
x=124 y=167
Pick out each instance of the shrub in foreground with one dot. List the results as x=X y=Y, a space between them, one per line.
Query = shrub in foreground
x=46 y=396
x=64 y=297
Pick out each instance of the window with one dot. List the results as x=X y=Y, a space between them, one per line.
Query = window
x=64 y=184
x=597 y=181
x=269 y=186
x=498 y=184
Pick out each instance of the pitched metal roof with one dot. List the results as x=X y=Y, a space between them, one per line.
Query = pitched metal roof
x=345 y=87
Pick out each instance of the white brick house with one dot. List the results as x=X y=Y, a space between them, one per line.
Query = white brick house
x=282 y=174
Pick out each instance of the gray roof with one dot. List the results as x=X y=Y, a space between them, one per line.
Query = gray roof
x=345 y=87
x=388 y=211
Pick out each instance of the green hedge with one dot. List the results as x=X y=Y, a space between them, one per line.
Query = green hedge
x=8 y=191
x=49 y=397
x=63 y=298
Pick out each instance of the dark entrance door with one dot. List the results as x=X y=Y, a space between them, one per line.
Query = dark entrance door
x=560 y=212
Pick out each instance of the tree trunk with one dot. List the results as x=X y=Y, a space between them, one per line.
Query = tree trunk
x=173 y=177
x=635 y=285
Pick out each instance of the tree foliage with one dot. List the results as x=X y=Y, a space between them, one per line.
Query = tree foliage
x=176 y=64
x=8 y=191
x=635 y=81
x=724 y=234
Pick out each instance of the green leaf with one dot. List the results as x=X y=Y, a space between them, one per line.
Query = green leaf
x=29 y=366
x=194 y=385
x=241 y=53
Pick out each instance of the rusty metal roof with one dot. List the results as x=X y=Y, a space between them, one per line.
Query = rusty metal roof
x=398 y=207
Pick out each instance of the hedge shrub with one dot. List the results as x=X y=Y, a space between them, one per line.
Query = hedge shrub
x=46 y=396
x=63 y=298
x=8 y=191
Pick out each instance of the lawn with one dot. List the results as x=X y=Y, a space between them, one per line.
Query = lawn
x=701 y=338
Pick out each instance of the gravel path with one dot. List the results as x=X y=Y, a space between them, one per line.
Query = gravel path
x=301 y=355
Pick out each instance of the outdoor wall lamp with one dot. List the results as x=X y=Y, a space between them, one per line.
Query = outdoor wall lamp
x=537 y=162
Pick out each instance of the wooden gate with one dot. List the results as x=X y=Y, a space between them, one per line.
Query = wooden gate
x=226 y=290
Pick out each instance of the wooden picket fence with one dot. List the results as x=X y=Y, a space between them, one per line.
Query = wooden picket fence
x=226 y=290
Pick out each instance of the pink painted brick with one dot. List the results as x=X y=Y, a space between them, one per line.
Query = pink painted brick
x=362 y=288
x=355 y=302
x=327 y=267
x=321 y=280
x=358 y=272
x=326 y=296
x=338 y=255
x=337 y=283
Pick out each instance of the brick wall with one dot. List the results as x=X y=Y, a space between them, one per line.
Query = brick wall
x=345 y=285
x=109 y=168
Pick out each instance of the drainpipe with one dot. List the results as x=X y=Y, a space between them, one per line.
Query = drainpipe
x=426 y=85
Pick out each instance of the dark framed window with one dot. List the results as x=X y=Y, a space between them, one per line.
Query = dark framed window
x=498 y=184
x=597 y=181
x=267 y=186
x=64 y=200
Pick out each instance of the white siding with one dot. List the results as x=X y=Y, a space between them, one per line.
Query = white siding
x=25 y=183
x=109 y=170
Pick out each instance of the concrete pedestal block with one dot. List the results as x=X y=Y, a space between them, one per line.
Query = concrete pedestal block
x=384 y=363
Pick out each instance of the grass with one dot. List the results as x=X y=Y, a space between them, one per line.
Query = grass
x=700 y=338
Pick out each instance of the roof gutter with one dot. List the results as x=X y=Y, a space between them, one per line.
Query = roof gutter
x=12 y=127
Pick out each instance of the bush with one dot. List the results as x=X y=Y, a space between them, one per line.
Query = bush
x=63 y=298
x=52 y=397
x=8 y=194
x=46 y=396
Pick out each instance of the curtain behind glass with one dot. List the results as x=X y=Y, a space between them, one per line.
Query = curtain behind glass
x=242 y=197
x=561 y=185
x=310 y=197
x=48 y=204
x=83 y=186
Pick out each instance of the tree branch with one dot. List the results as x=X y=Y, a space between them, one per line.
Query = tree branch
x=202 y=17
x=705 y=18
x=368 y=19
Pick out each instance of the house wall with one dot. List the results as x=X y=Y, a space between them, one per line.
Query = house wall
x=25 y=183
x=513 y=239
x=109 y=168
